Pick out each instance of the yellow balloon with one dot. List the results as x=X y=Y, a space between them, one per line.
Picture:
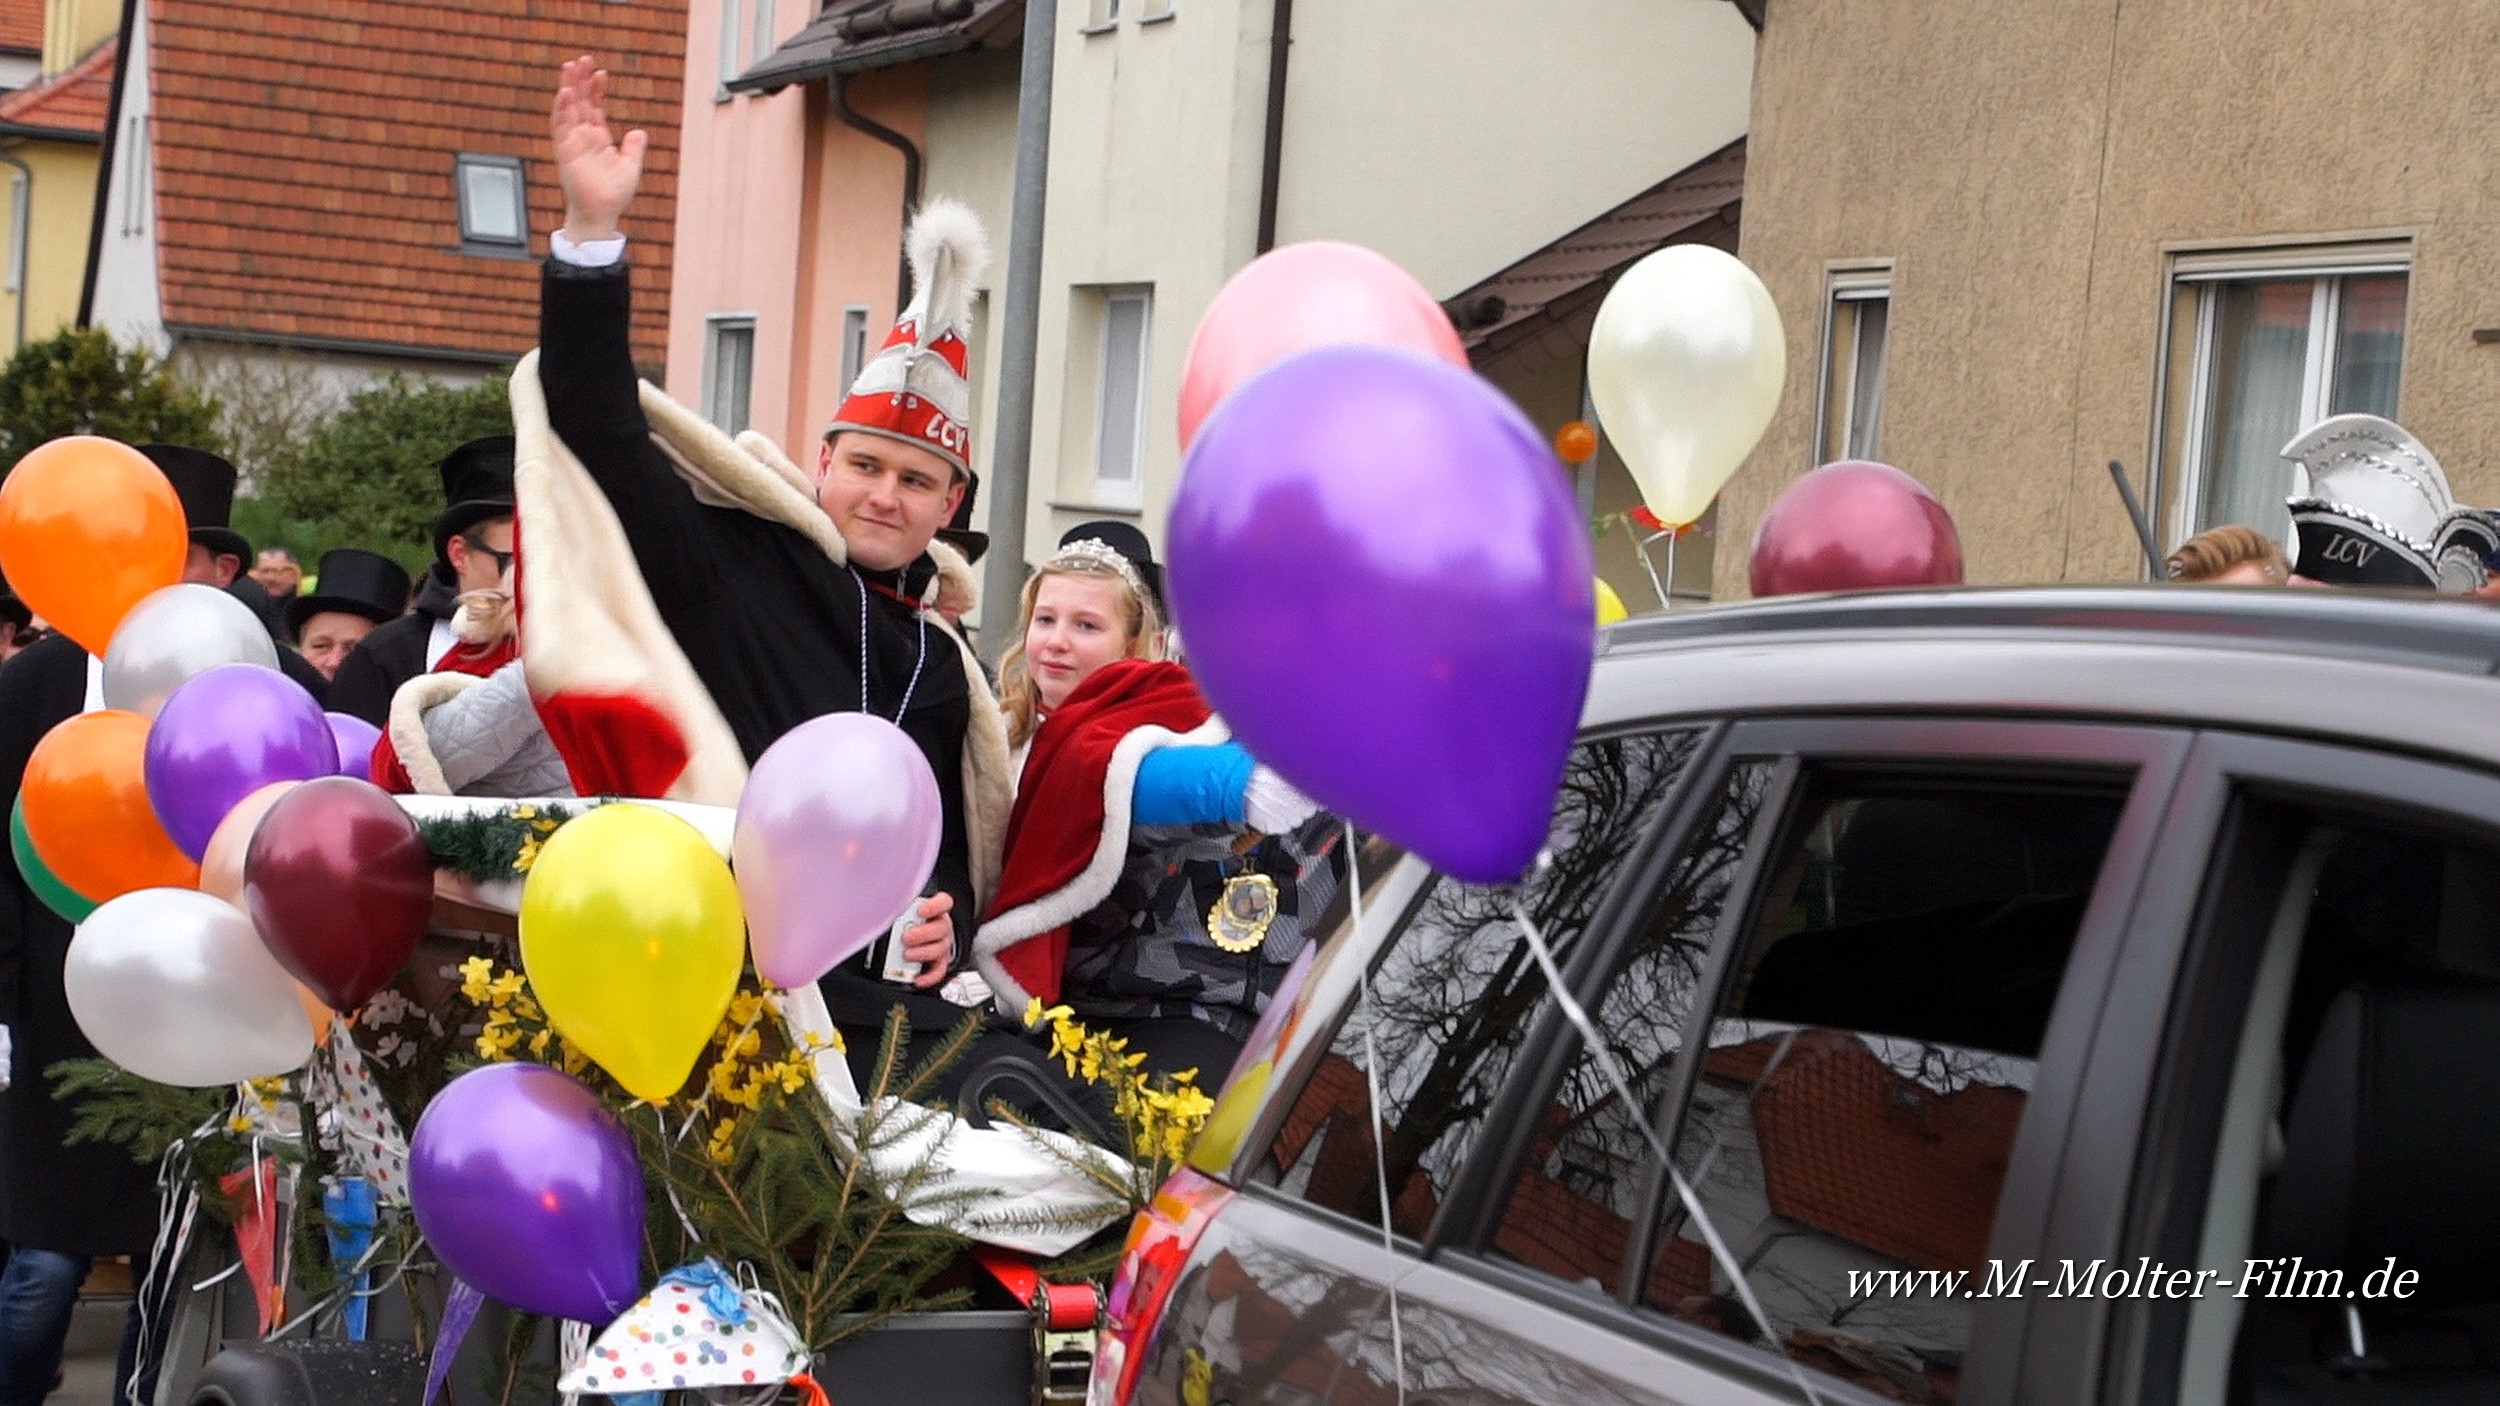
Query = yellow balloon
x=632 y=938
x=1220 y=1139
x=1686 y=361
x=1609 y=605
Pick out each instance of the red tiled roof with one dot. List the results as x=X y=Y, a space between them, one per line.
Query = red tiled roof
x=303 y=162
x=72 y=102
x=1558 y=287
x=1856 y=1149
x=21 y=26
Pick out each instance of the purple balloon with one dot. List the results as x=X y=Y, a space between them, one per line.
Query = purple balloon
x=529 y=1191
x=837 y=831
x=1386 y=585
x=356 y=739
x=223 y=735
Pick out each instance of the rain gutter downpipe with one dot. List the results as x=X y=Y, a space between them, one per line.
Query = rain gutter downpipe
x=869 y=126
x=22 y=236
x=1019 y=336
x=1272 y=151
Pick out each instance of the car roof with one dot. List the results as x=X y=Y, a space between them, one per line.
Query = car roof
x=2381 y=668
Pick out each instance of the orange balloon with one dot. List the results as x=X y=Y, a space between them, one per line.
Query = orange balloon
x=87 y=810
x=1575 y=442
x=318 y=1009
x=221 y=868
x=88 y=527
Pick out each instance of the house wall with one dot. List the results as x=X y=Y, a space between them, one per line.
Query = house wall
x=63 y=178
x=72 y=27
x=128 y=300
x=1456 y=135
x=971 y=155
x=2030 y=165
x=1154 y=181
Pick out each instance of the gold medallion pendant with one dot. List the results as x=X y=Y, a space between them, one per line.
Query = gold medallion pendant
x=1243 y=912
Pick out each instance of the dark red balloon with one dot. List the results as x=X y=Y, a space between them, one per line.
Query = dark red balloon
x=340 y=886
x=1855 y=526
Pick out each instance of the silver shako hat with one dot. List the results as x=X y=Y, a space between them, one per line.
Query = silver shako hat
x=2378 y=511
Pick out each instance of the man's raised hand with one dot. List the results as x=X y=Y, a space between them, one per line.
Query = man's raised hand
x=599 y=172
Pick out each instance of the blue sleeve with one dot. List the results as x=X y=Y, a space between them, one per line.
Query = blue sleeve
x=1191 y=786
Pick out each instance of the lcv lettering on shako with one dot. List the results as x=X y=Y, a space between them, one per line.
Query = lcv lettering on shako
x=2352 y=551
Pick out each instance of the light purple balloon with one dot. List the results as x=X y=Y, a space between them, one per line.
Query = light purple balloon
x=1386 y=585
x=356 y=739
x=529 y=1190
x=225 y=734
x=837 y=831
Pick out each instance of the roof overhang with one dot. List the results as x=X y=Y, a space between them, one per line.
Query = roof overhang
x=855 y=36
x=1557 y=289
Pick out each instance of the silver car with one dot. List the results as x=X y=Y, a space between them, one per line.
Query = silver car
x=2063 y=995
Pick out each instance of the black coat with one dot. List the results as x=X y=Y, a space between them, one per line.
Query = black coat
x=392 y=655
x=91 y=1199
x=771 y=625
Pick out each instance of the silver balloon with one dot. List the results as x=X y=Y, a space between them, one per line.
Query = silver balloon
x=173 y=634
x=1686 y=361
x=175 y=986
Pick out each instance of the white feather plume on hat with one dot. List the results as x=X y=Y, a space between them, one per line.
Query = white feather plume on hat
x=949 y=253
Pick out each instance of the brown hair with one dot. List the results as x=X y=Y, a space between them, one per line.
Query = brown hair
x=1016 y=695
x=2216 y=550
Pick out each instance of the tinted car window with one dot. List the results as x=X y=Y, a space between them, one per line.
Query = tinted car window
x=1571 y=1212
x=1452 y=994
x=1865 y=1072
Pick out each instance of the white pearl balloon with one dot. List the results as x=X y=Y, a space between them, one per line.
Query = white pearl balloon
x=175 y=986
x=1686 y=362
x=174 y=634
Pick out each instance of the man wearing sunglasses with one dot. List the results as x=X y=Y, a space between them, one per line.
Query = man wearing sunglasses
x=463 y=615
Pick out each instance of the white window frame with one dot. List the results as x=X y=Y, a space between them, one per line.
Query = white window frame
x=1156 y=11
x=762 y=31
x=1131 y=491
x=462 y=163
x=732 y=34
x=1101 y=17
x=715 y=327
x=2211 y=270
x=855 y=349
x=21 y=207
x=1854 y=283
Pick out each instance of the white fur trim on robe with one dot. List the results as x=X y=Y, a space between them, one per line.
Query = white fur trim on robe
x=589 y=624
x=1093 y=883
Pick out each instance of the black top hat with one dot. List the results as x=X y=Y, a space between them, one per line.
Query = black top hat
x=205 y=484
x=356 y=582
x=957 y=532
x=477 y=485
x=1129 y=542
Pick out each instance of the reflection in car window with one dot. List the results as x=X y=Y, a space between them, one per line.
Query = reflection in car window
x=1453 y=993
x=1865 y=1073
x=1571 y=1212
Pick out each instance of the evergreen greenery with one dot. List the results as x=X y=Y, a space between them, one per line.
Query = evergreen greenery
x=368 y=476
x=83 y=382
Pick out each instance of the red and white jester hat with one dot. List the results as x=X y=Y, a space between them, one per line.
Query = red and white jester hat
x=918 y=387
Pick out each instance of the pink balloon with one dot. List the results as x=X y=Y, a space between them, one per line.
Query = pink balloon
x=1854 y=526
x=837 y=832
x=1316 y=294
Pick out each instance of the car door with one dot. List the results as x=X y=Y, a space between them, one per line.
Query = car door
x=1286 y=1296
x=2294 y=1098
x=1853 y=1000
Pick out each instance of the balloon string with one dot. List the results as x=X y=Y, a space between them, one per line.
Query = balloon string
x=1613 y=1070
x=1371 y=1080
x=659 y=1116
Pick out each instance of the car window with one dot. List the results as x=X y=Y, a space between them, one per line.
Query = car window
x=1571 y=1211
x=1867 y=1064
x=1453 y=993
x=2348 y=1230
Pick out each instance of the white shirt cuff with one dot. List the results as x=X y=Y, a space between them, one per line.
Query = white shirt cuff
x=597 y=254
x=1272 y=805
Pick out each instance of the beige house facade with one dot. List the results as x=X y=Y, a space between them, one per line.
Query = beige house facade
x=2014 y=240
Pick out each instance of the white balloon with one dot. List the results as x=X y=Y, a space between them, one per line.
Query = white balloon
x=173 y=634
x=1686 y=362
x=175 y=986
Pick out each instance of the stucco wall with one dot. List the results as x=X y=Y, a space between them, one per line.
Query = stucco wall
x=2030 y=165
x=971 y=155
x=1456 y=135
x=63 y=175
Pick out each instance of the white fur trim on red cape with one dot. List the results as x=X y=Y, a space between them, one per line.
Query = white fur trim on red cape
x=408 y=736
x=1093 y=884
